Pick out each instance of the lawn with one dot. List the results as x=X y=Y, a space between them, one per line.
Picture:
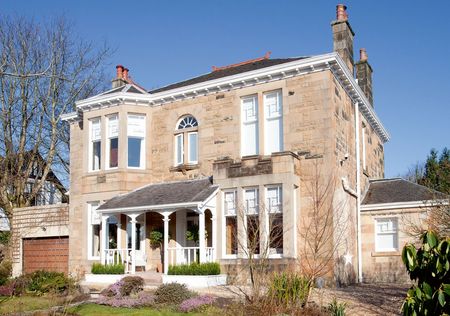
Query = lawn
x=98 y=310
x=10 y=305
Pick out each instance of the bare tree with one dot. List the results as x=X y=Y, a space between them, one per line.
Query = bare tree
x=325 y=226
x=44 y=69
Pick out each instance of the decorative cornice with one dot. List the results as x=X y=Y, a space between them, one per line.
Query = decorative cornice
x=331 y=61
x=403 y=205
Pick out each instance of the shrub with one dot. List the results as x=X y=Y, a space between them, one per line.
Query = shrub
x=41 y=282
x=196 y=303
x=289 y=289
x=5 y=271
x=337 y=309
x=142 y=299
x=20 y=284
x=429 y=266
x=7 y=289
x=124 y=287
x=211 y=268
x=98 y=268
x=172 y=293
x=5 y=236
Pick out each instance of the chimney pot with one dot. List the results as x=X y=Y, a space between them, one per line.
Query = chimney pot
x=341 y=12
x=125 y=73
x=119 y=69
x=363 y=54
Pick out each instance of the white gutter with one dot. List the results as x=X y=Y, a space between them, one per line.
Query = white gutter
x=152 y=207
x=358 y=194
x=400 y=205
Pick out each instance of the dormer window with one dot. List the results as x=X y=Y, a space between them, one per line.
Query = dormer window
x=186 y=135
x=95 y=150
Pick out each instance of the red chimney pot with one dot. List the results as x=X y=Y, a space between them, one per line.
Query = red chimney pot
x=119 y=71
x=341 y=12
x=125 y=74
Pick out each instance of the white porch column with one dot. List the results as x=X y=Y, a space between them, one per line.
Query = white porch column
x=133 y=242
x=214 y=236
x=166 y=220
x=104 y=239
x=201 y=236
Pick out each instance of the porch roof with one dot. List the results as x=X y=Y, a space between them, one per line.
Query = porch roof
x=168 y=195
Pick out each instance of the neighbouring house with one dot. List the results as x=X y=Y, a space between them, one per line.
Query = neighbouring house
x=231 y=157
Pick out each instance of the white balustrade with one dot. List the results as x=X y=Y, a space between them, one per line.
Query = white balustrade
x=116 y=256
x=188 y=255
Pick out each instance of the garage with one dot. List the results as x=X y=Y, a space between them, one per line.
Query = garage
x=49 y=253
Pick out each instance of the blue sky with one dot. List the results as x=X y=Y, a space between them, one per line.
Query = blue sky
x=166 y=41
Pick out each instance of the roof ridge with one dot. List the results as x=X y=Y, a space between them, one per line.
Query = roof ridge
x=168 y=182
x=385 y=179
x=249 y=61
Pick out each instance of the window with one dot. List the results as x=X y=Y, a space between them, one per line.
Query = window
x=249 y=128
x=94 y=227
x=363 y=141
x=386 y=234
x=113 y=141
x=275 y=218
x=273 y=125
x=230 y=222
x=136 y=141
x=252 y=220
x=186 y=131
x=96 y=144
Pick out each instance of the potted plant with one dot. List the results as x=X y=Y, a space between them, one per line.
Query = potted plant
x=156 y=237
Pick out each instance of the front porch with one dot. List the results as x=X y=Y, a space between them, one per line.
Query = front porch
x=145 y=233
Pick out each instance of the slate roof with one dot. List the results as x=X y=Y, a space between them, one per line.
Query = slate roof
x=398 y=190
x=163 y=194
x=228 y=72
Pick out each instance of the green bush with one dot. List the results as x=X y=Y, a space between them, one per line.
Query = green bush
x=98 y=268
x=131 y=285
x=289 y=289
x=5 y=237
x=172 y=293
x=429 y=266
x=42 y=282
x=5 y=271
x=210 y=268
x=337 y=309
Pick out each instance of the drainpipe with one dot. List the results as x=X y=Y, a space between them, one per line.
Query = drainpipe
x=358 y=193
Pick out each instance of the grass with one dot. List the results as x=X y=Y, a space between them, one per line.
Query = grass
x=100 y=310
x=10 y=305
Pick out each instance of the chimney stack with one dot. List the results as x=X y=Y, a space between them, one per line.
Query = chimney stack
x=343 y=36
x=120 y=79
x=364 y=74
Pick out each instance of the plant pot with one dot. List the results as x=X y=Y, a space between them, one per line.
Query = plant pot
x=159 y=267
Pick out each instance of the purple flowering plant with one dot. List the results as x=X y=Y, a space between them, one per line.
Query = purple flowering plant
x=196 y=303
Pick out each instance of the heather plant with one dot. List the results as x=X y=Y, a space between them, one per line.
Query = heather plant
x=197 y=303
x=429 y=267
x=141 y=299
x=131 y=285
x=7 y=289
x=172 y=293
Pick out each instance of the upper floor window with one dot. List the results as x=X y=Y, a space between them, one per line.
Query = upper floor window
x=136 y=140
x=95 y=147
x=249 y=128
x=186 y=135
x=386 y=234
x=273 y=124
x=112 y=143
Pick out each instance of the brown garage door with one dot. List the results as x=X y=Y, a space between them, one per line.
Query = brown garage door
x=50 y=253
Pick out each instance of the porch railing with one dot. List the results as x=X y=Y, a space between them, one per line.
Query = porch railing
x=188 y=255
x=116 y=256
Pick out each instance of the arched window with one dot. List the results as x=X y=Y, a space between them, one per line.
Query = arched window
x=186 y=136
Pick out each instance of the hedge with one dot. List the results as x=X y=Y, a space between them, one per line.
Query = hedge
x=98 y=268
x=211 y=268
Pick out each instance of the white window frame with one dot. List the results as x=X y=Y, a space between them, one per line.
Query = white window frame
x=91 y=144
x=90 y=207
x=394 y=232
x=224 y=225
x=142 y=138
x=268 y=116
x=189 y=147
x=246 y=122
x=279 y=210
x=108 y=141
x=257 y=213
x=179 y=139
x=363 y=140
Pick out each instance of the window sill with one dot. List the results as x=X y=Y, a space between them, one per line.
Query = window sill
x=184 y=167
x=393 y=253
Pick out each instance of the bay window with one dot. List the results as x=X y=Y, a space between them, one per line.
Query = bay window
x=136 y=141
x=386 y=234
x=186 y=133
x=251 y=196
x=275 y=218
x=112 y=141
x=95 y=144
x=273 y=124
x=249 y=126
x=230 y=198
